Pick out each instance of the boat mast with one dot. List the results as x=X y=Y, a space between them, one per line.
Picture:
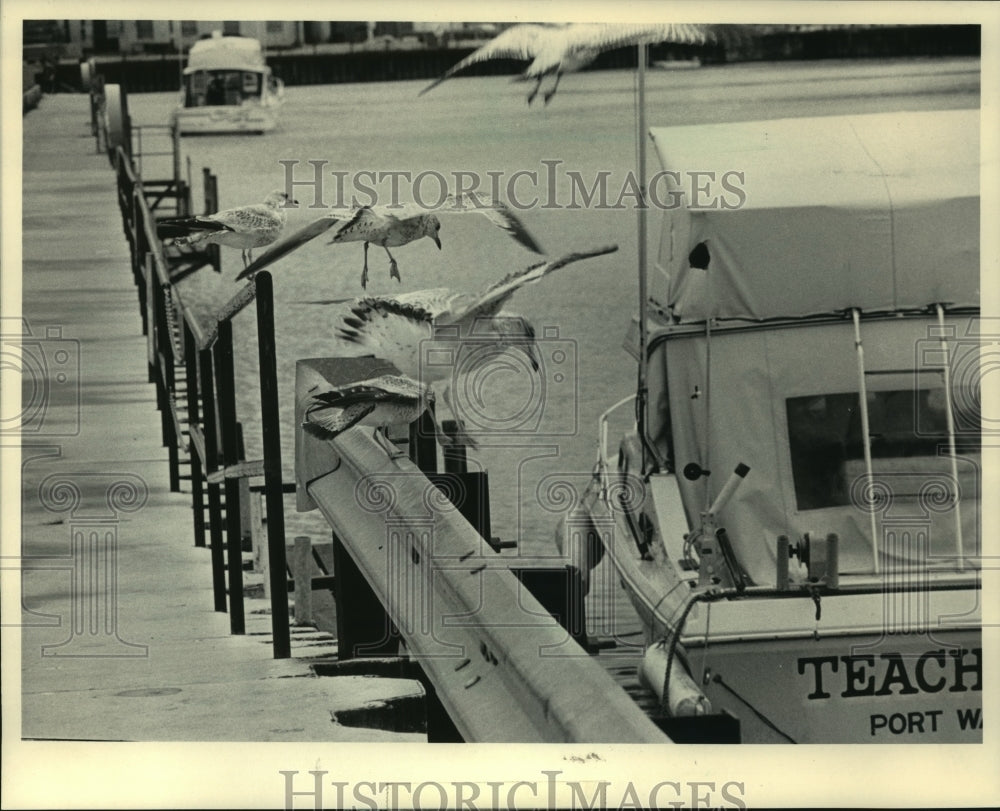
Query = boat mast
x=641 y=393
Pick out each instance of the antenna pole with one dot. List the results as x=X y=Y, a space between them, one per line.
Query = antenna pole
x=643 y=327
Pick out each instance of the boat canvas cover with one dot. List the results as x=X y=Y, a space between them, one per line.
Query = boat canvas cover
x=876 y=212
x=773 y=407
x=226 y=53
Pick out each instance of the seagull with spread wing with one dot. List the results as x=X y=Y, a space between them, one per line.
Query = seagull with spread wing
x=396 y=226
x=558 y=48
x=412 y=329
x=246 y=228
x=379 y=401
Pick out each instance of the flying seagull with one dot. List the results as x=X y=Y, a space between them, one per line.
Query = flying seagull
x=392 y=227
x=411 y=330
x=379 y=401
x=245 y=228
x=558 y=48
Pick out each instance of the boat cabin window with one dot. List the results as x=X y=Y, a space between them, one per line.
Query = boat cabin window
x=907 y=425
x=210 y=88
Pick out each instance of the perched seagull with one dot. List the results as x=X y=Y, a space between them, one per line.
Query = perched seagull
x=245 y=228
x=392 y=227
x=558 y=48
x=379 y=401
x=411 y=329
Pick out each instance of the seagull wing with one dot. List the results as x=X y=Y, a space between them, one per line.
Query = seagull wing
x=389 y=329
x=248 y=219
x=607 y=36
x=496 y=212
x=497 y=294
x=517 y=42
x=286 y=246
x=327 y=421
x=173 y=227
x=434 y=302
x=372 y=390
x=367 y=223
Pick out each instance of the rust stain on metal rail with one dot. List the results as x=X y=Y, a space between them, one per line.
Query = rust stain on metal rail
x=536 y=684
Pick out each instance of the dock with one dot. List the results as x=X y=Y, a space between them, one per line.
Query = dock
x=160 y=663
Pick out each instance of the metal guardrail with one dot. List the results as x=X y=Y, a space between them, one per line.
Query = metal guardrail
x=504 y=669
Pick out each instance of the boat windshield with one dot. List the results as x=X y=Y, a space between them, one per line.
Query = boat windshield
x=210 y=88
x=908 y=434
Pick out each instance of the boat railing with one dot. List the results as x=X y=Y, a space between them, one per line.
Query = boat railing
x=602 y=444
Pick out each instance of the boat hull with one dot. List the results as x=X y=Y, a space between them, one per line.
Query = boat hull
x=892 y=663
x=223 y=120
x=854 y=688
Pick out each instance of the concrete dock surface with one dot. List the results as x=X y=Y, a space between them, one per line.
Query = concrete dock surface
x=119 y=639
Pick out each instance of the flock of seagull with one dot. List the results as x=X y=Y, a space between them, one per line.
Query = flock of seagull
x=404 y=328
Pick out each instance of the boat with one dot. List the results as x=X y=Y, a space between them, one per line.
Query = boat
x=795 y=512
x=227 y=87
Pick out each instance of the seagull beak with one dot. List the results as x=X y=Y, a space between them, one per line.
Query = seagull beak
x=437 y=241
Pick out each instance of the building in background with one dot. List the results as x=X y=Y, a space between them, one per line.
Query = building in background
x=83 y=38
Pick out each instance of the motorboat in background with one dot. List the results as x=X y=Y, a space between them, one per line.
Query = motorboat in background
x=228 y=88
x=796 y=514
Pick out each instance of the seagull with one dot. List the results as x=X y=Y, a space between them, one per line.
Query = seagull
x=245 y=228
x=379 y=401
x=411 y=330
x=558 y=48
x=395 y=226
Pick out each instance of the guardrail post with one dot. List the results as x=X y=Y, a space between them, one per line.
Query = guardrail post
x=363 y=626
x=210 y=185
x=274 y=497
x=230 y=456
x=454 y=455
x=205 y=367
x=197 y=479
x=302 y=565
x=423 y=442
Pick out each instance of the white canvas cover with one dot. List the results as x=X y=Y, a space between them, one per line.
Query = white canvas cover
x=754 y=374
x=225 y=53
x=878 y=212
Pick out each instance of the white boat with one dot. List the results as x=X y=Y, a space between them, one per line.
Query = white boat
x=796 y=514
x=228 y=88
